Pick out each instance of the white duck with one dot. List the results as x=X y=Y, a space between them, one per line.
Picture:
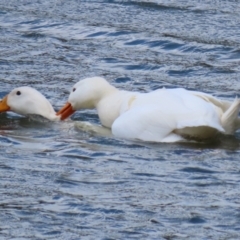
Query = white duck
x=28 y=101
x=164 y=115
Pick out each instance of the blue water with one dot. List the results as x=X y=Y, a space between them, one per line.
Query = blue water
x=58 y=181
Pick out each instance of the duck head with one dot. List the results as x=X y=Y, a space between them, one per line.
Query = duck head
x=85 y=94
x=28 y=101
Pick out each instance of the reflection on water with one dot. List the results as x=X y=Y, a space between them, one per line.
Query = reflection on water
x=73 y=179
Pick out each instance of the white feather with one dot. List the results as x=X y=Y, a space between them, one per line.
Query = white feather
x=164 y=115
x=28 y=101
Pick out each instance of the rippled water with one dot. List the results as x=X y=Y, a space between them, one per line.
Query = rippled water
x=60 y=181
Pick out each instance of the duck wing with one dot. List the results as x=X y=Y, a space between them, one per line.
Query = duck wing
x=168 y=115
x=230 y=110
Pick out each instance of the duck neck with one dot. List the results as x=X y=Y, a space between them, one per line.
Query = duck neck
x=109 y=107
x=51 y=116
x=48 y=112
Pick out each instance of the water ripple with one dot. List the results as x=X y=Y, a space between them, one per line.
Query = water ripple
x=66 y=181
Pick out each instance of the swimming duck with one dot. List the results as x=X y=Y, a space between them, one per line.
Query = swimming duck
x=163 y=115
x=28 y=101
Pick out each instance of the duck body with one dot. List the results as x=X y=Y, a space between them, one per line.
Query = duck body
x=28 y=101
x=170 y=115
x=163 y=115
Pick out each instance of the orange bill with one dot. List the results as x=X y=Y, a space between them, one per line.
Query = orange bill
x=3 y=105
x=65 y=111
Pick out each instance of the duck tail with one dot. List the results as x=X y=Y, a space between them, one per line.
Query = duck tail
x=230 y=120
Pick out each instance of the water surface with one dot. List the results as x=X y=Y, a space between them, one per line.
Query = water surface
x=59 y=181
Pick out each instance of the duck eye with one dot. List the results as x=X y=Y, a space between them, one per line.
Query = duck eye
x=18 y=93
x=74 y=89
